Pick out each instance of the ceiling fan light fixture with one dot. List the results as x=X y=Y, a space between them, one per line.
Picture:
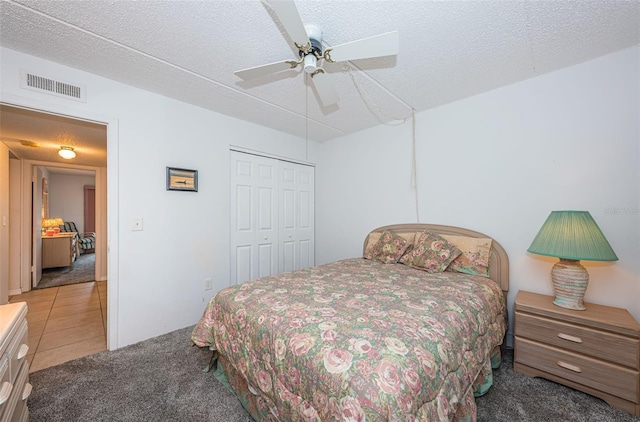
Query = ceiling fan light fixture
x=307 y=39
x=310 y=63
x=67 y=153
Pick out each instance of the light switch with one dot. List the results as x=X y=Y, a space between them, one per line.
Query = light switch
x=137 y=224
x=4 y=220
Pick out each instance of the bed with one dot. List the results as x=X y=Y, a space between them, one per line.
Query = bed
x=391 y=336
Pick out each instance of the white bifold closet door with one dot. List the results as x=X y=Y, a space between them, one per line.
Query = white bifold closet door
x=272 y=216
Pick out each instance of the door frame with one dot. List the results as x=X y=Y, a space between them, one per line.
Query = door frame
x=109 y=250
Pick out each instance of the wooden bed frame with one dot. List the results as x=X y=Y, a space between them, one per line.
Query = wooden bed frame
x=498 y=260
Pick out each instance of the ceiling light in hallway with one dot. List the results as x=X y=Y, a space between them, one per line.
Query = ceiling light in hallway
x=67 y=153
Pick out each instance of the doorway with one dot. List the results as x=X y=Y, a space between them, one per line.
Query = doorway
x=25 y=238
x=67 y=257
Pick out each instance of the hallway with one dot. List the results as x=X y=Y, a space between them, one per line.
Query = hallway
x=65 y=323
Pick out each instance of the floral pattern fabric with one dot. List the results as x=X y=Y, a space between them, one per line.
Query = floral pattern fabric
x=474 y=258
x=388 y=249
x=356 y=340
x=431 y=253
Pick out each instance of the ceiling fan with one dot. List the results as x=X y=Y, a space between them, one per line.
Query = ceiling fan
x=307 y=39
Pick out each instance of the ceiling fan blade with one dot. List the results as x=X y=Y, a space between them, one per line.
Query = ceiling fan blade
x=324 y=88
x=377 y=46
x=288 y=15
x=265 y=69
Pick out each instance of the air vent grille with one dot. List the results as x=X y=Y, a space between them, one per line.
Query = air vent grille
x=34 y=82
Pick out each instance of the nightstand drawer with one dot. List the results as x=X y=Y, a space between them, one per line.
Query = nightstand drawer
x=613 y=379
x=599 y=344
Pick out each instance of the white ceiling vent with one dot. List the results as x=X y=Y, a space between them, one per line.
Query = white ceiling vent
x=51 y=86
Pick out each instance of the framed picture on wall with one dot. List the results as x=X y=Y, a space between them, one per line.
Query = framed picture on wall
x=182 y=179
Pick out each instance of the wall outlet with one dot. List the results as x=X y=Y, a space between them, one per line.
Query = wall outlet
x=208 y=283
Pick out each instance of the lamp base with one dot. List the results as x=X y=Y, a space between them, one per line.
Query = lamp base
x=570 y=280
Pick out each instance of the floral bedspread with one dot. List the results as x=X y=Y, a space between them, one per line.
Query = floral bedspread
x=357 y=340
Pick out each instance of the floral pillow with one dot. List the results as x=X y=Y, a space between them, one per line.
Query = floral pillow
x=431 y=253
x=388 y=249
x=474 y=259
x=371 y=241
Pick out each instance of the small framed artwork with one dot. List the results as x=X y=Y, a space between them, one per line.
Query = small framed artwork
x=182 y=179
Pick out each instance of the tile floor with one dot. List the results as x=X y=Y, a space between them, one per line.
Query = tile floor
x=65 y=323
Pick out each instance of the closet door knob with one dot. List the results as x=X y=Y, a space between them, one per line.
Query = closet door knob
x=265 y=238
x=289 y=235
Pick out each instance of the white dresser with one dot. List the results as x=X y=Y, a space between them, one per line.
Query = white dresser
x=14 y=368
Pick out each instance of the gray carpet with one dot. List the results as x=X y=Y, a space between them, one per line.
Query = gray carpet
x=161 y=379
x=83 y=270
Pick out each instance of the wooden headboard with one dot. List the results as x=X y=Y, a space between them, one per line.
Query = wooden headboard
x=498 y=260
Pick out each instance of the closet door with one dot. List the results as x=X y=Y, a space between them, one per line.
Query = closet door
x=254 y=217
x=272 y=216
x=296 y=189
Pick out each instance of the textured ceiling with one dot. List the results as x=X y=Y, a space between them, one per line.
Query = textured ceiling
x=188 y=50
x=39 y=136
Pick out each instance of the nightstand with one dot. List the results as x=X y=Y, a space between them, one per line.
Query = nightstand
x=59 y=250
x=596 y=351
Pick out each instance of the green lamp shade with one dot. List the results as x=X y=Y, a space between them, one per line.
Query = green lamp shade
x=572 y=235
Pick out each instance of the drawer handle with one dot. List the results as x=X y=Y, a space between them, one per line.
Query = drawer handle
x=24 y=349
x=5 y=392
x=570 y=338
x=569 y=366
x=28 y=388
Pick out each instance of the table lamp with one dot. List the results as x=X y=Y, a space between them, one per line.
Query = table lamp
x=49 y=224
x=59 y=222
x=571 y=236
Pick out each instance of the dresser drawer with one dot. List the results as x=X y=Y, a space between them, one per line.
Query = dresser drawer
x=613 y=379
x=18 y=349
x=18 y=400
x=599 y=344
x=23 y=390
x=24 y=417
x=6 y=387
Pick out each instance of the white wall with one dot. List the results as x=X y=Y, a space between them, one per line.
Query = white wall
x=499 y=163
x=66 y=197
x=161 y=270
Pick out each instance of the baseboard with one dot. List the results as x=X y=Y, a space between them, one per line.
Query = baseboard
x=15 y=292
